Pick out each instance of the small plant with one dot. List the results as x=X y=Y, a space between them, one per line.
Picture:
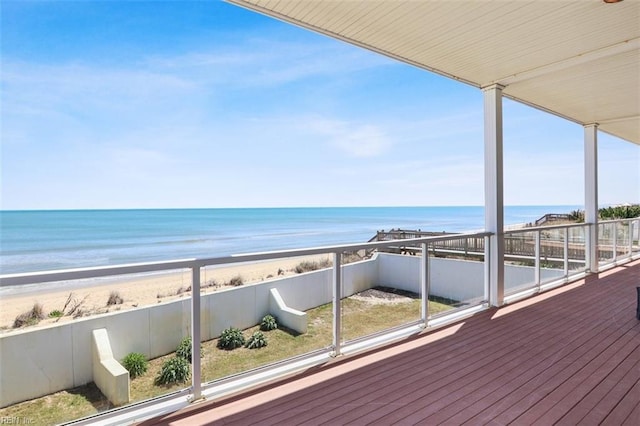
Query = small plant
x=56 y=313
x=256 y=341
x=32 y=317
x=174 y=370
x=114 y=299
x=236 y=281
x=136 y=364
x=268 y=323
x=230 y=339
x=184 y=349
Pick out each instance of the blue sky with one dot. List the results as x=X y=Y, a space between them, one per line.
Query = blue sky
x=204 y=104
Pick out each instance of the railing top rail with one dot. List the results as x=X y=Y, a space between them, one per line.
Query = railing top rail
x=545 y=228
x=105 y=271
x=619 y=220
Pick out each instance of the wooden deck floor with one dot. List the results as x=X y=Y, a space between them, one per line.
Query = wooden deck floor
x=569 y=356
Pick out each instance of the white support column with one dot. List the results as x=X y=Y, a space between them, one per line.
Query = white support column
x=493 y=192
x=591 y=194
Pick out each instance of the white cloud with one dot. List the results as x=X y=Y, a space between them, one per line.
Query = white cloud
x=354 y=139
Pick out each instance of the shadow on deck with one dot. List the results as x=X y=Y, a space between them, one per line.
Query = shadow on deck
x=569 y=356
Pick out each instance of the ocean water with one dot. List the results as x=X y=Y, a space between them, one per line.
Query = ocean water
x=46 y=240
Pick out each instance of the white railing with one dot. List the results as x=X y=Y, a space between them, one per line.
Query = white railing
x=618 y=241
x=561 y=251
x=537 y=258
x=195 y=265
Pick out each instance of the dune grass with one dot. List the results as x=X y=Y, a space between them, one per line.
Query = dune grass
x=359 y=319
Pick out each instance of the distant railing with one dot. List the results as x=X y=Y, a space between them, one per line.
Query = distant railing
x=618 y=240
x=514 y=245
x=549 y=217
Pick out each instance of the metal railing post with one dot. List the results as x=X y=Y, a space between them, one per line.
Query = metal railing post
x=487 y=270
x=615 y=241
x=537 y=259
x=590 y=247
x=566 y=252
x=337 y=293
x=631 y=238
x=196 y=373
x=424 y=285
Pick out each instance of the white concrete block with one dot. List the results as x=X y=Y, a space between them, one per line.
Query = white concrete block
x=288 y=317
x=108 y=374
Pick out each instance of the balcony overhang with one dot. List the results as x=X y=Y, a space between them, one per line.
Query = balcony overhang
x=576 y=59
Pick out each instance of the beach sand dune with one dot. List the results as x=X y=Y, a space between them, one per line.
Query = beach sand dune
x=135 y=291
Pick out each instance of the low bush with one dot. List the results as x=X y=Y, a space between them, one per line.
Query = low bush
x=114 y=299
x=184 y=349
x=56 y=313
x=136 y=364
x=268 y=323
x=32 y=317
x=230 y=339
x=257 y=340
x=174 y=370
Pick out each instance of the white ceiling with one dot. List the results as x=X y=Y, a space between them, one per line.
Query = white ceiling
x=579 y=59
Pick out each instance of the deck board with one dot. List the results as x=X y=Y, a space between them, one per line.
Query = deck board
x=569 y=356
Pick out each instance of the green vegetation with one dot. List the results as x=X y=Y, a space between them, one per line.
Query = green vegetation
x=230 y=339
x=359 y=319
x=184 y=349
x=610 y=213
x=577 y=216
x=256 y=341
x=59 y=407
x=174 y=370
x=56 y=313
x=268 y=323
x=136 y=364
x=620 y=212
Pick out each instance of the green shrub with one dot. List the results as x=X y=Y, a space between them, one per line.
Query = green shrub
x=268 y=323
x=184 y=349
x=136 y=364
x=56 y=313
x=230 y=339
x=257 y=340
x=174 y=370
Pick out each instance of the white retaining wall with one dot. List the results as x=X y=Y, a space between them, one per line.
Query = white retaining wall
x=44 y=360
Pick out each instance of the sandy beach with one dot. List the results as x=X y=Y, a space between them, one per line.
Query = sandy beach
x=135 y=291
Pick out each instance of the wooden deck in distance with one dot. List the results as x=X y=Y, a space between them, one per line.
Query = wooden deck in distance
x=570 y=356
